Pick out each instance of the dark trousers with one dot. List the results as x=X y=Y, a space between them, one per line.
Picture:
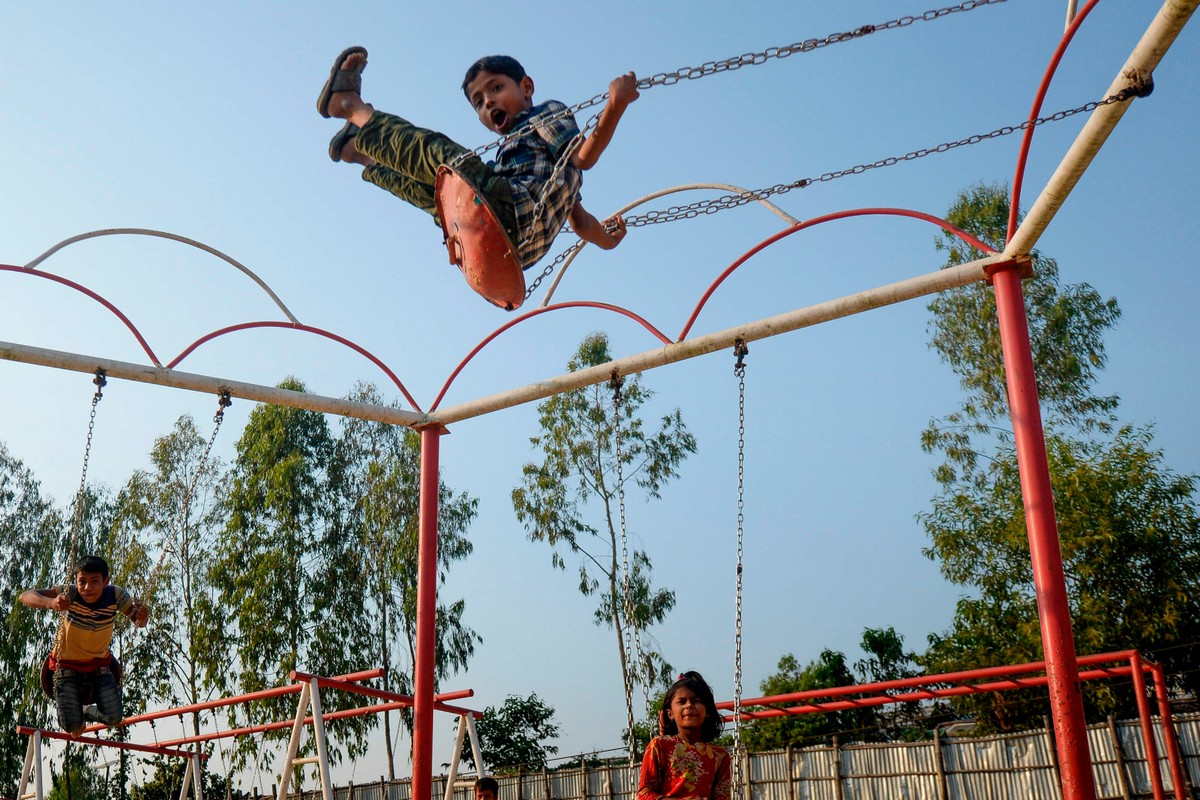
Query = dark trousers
x=408 y=159
x=74 y=689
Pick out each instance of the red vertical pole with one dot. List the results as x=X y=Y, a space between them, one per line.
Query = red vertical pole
x=1153 y=765
x=423 y=670
x=1170 y=736
x=1054 y=613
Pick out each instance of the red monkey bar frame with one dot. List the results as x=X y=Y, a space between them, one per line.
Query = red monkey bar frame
x=1000 y=679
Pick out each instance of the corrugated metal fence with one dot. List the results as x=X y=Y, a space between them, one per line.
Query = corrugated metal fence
x=1008 y=767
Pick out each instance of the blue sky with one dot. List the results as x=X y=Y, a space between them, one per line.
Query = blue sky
x=200 y=121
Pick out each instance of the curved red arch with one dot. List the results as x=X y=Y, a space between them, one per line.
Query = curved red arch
x=857 y=212
x=307 y=329
x=537 y=311
x=1027 y=140
x=83 y=289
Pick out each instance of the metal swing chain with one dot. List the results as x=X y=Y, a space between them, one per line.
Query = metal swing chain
x=223 y=402
x=615 y=383
x=736 y=62
x=713 y=205
x=739 y=369
x=77 y=523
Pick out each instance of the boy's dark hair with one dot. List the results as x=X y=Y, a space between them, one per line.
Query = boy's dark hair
x=711 y=728
x=497 y=65
x=487 y=783
x=92 y=564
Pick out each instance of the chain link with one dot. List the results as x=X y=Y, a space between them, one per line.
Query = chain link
x=615 y=383
x=100 y=380
x=736 y=62
x=739 y=369
x=223 y=402
x=713 y=205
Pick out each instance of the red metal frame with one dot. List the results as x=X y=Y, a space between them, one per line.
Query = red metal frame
x=92 y=740
x=1000 y=679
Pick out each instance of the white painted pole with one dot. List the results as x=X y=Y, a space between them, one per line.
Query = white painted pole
x=1138 y=70
x=879 y=297
x=285 y=774
x=322 y=745
x=480 y=767
x=455 y=757
x=204 y=383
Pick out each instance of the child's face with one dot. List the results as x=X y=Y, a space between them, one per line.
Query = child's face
x=687 y=709
x=90 y=585
x=484 y=794
x=498 y=99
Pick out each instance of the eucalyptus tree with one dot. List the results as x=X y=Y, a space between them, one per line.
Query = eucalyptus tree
x=1128 y=525
x=289 y=592
x=379 y=467
x=570 y=499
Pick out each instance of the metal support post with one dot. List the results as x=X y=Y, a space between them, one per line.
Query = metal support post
x=423 y=671
x=1054 y=613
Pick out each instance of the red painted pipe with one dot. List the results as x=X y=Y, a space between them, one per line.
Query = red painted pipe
x=278 y=691
x=141 y=748
x=1054 y=612
x=923 y=680
x=1153 y=765
x=921 y=694
x=424 y=678
x=1170 y=735
x=274 y=726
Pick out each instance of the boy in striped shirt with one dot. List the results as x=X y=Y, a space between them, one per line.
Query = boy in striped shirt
x=82 y=662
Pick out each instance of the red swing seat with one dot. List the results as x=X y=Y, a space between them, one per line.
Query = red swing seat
x=47 y=677
x=477 y=243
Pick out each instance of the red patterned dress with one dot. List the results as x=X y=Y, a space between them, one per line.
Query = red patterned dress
x=674 y=768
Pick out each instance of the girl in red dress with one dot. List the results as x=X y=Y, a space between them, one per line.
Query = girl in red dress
x=683 y=762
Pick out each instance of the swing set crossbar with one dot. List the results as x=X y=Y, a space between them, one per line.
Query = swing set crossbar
x=96 y=741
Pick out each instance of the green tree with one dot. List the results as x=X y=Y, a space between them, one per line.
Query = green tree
x=1128 y=526
x=183 y=527
x=517 y=735
x=887 y=660
x=78 y=780
x=167 y=779
x=289 y=584
x=829 y=670
x=32 y=537
x=579 y=467
x=379 y=466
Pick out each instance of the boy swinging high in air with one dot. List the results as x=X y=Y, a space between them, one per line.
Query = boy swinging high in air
x=531 y=194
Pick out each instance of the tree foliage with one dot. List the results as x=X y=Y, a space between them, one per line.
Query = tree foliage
x=1128 y=525
x=517 y=735
x=379 y=466
x=32 y=537
x=570 y=499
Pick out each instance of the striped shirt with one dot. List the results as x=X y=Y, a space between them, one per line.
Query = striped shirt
x=528 y=162
x=90 y=627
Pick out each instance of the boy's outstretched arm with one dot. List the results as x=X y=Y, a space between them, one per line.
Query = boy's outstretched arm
x=138 y=613
x=605 y=235
x=621 y=92
x=45 y=598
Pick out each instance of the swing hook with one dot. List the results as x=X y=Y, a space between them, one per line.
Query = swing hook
x=223 y=402
x=741 y=351
x=615 y=382
x=100 y=380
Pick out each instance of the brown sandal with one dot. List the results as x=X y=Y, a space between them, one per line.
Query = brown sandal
x=341 y=80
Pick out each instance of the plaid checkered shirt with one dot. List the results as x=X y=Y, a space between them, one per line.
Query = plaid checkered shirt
x=528 y=161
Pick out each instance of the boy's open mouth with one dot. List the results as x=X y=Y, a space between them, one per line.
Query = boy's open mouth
x=499 y=117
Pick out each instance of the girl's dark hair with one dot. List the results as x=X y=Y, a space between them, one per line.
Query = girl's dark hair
x=92 y=564
x=712 y=718
x=497 y=65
